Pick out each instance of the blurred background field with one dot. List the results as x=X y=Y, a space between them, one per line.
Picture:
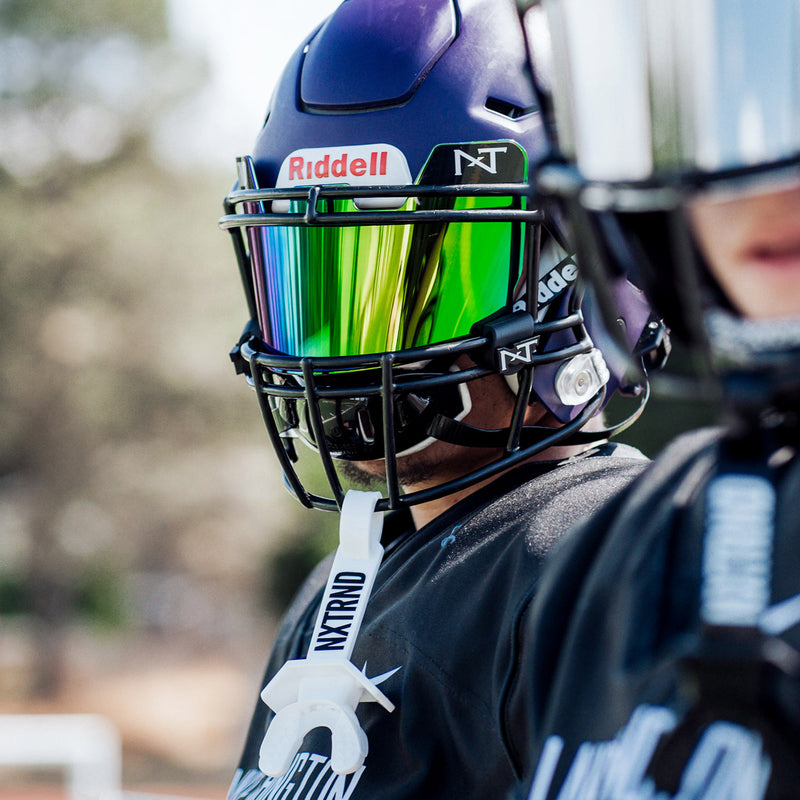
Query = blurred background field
x=147 y=545
x=140 y=508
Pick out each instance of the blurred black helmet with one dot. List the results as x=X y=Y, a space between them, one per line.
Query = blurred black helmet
x=655 y=106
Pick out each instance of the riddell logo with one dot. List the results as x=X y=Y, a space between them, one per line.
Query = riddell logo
x=301 y=169
x=357 y=165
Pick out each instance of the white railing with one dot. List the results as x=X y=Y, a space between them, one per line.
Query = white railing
x=86 y=746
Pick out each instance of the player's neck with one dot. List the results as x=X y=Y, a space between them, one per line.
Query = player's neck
x=424 y=513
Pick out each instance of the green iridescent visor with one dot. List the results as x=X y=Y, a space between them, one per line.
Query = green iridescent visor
x=357 y=290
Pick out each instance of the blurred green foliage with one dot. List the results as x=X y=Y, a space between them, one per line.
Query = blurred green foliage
x=145 y=19
x=131 y=457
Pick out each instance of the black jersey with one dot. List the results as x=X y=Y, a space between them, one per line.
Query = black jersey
x=447 y=608
x=629 y=692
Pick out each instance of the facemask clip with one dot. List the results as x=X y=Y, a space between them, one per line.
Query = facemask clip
x=512 y=342
x=581 y=377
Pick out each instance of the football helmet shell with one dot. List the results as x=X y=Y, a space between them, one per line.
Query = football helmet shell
x=384 y=230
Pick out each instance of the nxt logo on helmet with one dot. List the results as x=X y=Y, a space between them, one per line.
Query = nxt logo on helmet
x=357 y=165
x=475 y=162
x=512 y=361
x=486 y=159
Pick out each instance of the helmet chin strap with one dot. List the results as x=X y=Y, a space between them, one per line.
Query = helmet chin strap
x=460 y=433
x=324 y=688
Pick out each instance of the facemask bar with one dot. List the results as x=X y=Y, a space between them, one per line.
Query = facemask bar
x=387 y=364
x=517 y=443
x=314 y=216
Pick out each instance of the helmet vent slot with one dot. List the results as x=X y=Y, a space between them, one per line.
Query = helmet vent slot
x=506 y=109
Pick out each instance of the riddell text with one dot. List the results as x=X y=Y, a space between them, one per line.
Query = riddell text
x=300 y=169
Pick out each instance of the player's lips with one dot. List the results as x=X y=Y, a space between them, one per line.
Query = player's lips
x=779 y=252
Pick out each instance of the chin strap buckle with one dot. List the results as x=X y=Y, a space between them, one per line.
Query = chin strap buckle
x=324 y=688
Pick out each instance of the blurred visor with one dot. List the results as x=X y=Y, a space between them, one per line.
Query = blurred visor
x=641 y=89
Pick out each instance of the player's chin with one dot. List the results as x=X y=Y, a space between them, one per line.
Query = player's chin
x=363 y=475
x=435 y=464
x=419 y=468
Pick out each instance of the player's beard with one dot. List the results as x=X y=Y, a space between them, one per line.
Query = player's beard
x=436 y=464
x=439 y=462
x=411 y=471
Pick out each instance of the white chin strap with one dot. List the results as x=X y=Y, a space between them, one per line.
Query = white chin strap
x=324 y=688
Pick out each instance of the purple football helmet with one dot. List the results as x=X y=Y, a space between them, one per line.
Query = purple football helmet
x=385 y=231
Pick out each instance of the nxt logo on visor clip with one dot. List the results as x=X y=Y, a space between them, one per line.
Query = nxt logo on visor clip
x=512 y=361
x=512 y=343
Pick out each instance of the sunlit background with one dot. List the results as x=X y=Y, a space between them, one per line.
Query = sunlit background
x=141 y=513
x=147 y=545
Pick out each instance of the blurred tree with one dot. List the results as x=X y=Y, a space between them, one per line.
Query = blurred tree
x=79 y=18
x=81 y=85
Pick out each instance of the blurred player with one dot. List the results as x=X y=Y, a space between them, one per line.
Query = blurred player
x=665 y=656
